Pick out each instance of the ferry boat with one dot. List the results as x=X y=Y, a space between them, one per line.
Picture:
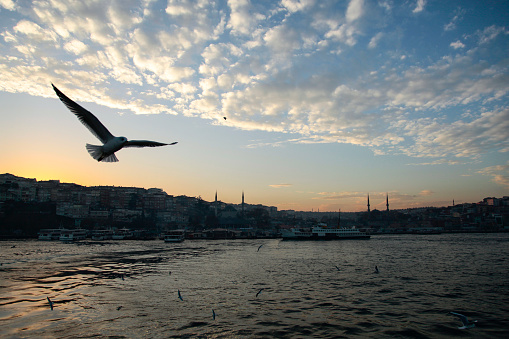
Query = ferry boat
x=322 y=232
x=121 y=234
x=73 y=235
x=50 y=233
x=102 y=234
x=174 y=236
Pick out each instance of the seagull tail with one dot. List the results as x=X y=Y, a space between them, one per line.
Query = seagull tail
x=97 y=153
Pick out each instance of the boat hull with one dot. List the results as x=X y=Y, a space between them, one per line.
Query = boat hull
x=173 y=239
x=323 y=233
x=327 y=237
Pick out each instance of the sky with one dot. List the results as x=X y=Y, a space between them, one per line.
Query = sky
x=325 y=101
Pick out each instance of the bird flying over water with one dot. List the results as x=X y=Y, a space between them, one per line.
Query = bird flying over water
x=260 y=291
x=213 y=315
x=259 y=247
x=464 y=320
x=50 y=303
x=111 y=143
x=180 y=296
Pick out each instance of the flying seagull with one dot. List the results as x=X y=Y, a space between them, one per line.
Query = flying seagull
x=111 y=143
x=180 y=296
x=213 y=315
x=464 y=320
x=50 y=303
x=260 y=291
x=259 y=248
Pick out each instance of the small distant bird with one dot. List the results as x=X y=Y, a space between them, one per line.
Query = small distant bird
x=376 y=269
x=180 y=296
x=224 y=118
x=50 y=303
x=259 y=247
x=260 y=291
x=464 y=320
x=337 y=267
x=118 y=308
x=111 y=144
x=213 y=315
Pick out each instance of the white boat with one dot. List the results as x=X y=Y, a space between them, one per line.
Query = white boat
x=102 y=234
x=121 y=234
x=174 y=236
x=50 y=233
x=73 y=235
x=322 y=232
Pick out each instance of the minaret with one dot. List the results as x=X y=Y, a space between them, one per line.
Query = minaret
x=369 y=210
x=215 y=205
x=387 y=201
x=242 y=203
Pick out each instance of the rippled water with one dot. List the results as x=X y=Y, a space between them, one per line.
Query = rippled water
x=304 y=294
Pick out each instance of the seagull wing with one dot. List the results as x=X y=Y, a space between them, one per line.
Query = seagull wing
x=145 y=143
x=86 y=118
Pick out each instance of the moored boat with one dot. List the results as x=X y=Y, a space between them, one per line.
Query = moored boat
x=73 y=235
x=121 y=234
x=50 y=233
x=174 y=236
x=322 y=232
x=102 y=234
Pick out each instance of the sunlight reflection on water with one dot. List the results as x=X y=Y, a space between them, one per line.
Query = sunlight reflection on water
x=304 y=294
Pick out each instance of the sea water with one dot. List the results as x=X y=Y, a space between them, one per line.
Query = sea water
x=320 y=289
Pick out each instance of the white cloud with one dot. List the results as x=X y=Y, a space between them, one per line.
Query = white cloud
x=75 y=47
x=344 y=33
x=426 y=193
x=8 y=4
x=374 y=40
x=179 y=8
x=457 y=44
x=419 y=7
x=499 y=174
x=461 y=139
x=242 y=18
x=490 y=33
x=282 y=40
x=280 y=185
x=459 y=13
x=292 y=67
x=354 y=10
x=297 y=5
x=34 y=31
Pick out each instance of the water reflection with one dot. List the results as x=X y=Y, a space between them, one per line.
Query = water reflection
x=304 y=294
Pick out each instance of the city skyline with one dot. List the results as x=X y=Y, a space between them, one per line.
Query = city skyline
x=27 y=184
x=303 y=105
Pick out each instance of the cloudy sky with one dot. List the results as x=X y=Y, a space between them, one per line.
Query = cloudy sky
x=325 y=101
